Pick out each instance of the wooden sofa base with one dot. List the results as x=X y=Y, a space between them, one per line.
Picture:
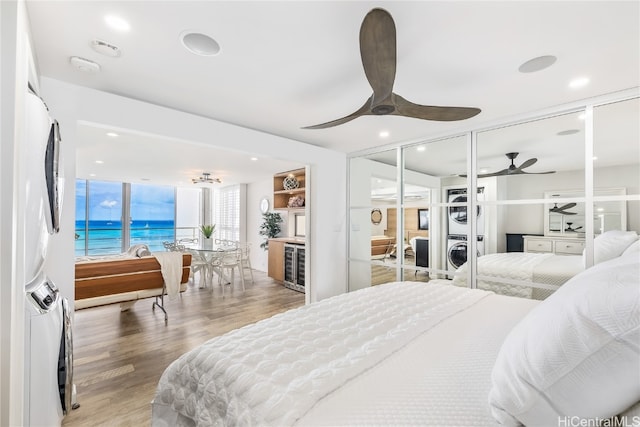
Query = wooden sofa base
x=111 y=281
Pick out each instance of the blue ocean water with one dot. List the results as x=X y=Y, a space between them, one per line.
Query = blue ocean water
x=105 y=237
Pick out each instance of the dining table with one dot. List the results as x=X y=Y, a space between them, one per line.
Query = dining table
x=209 y=259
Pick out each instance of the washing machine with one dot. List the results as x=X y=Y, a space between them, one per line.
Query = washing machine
x=457 y=215
x=49 y=364
x=457 y=250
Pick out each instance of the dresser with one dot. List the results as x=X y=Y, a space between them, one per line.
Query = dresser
x=554 y=245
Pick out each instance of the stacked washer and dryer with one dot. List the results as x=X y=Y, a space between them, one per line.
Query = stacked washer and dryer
x=49 y=346
x=458 y=226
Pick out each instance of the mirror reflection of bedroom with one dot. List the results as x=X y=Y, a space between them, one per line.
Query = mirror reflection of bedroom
x=411 y=218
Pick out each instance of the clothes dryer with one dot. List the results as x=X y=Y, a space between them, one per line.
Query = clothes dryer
x=458 y=215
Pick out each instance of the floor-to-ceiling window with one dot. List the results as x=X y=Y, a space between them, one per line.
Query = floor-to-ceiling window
x=153 y=212
x=98 y=217
x=112 y=216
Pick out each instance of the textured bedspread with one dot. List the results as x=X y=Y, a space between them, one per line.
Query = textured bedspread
x=545 y=268
x=274 y=371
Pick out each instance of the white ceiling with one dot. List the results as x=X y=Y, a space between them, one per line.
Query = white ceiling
x=285 y=65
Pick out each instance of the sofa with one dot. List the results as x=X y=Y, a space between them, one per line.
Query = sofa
x=121 y=279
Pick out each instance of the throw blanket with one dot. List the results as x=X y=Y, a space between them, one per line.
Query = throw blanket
x=171 y=269
x=511 y=265
x=274 y=371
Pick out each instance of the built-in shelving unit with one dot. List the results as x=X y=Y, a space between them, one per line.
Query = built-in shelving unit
x=281 y=195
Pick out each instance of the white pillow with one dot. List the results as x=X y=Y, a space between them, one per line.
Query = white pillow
x=577 y=354
x=633 y=248
x=611 y=244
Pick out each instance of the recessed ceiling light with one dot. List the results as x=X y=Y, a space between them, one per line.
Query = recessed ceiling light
x=254 y=159
x=600 y=209
x=582 y=116
x=112 y=134
x=200 y=44
x=484 y=170
x=384 y=134
x=105 y=48
x=595 y=157
x=92 y=174
x=99 y=162
x=421 y=148
x=117 y=23
x=537 y=64
x=84 y=64
x=579 y=82
x=145 y=179
x=568 y=132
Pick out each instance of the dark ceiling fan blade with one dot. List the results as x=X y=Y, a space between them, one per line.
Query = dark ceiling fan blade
x=528 y=163
x=567 y=206
x=378 y=52
x=538 y=173
x=487 y=175
x=362 y=111
x=566 y=213
x=427 y=112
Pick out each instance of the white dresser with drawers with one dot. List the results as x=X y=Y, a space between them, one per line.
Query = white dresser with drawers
x=554 y=245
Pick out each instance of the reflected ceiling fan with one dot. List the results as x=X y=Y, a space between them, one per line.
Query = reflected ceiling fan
x=569 y=229
x=513 y=169
x=378 y=53
x=563 y=209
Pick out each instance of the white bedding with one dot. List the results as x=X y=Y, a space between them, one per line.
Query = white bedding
x=276 y=372
x=546 y=269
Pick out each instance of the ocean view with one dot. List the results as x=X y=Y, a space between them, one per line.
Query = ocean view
x=105 y=237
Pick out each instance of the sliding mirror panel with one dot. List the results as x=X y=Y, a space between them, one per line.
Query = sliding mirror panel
x=616 y=177
x=373 y=212
x=531 y=205
x=434 y=224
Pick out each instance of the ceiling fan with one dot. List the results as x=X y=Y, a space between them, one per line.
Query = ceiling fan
x=378 y=53
x=563 y=209
x=513 y=169
x=572 y=229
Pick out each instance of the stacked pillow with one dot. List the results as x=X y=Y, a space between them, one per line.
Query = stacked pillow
x=577 y=354
x=611 y=244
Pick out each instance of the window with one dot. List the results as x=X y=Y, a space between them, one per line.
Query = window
x=150 y=213
x=153 y=211
x=226 y=212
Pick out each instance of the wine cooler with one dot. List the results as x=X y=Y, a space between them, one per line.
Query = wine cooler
x=294 y=261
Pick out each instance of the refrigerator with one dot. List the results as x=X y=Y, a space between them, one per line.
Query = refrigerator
x=48 y=331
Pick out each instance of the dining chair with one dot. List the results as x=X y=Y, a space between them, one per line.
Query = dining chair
x=229 y=262
x=245 y=261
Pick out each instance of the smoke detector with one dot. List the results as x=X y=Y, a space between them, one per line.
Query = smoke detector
x=84 y=64
x=105 y=48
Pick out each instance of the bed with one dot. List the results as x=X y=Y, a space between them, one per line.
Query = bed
x=539 y=268
x=414 y=353
x=546 y=270
x=122 y=279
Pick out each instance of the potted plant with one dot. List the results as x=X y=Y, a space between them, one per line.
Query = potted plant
x=270 y=227
x=207 y=232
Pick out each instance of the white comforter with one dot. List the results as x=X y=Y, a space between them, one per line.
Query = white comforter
x=543 y=268
x=274 y=371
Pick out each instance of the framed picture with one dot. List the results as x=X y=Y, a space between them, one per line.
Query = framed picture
x=423 y=219
x=300 y=225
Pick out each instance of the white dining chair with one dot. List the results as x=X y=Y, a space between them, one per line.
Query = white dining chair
x=245 y=261
x=229 y=262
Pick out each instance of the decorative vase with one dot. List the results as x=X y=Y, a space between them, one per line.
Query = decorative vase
x=207 y=243
x=290 y=182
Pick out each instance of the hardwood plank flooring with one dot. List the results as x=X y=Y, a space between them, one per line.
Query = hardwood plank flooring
x=120 y=355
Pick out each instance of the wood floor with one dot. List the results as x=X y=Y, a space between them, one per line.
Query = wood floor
x=120 y=356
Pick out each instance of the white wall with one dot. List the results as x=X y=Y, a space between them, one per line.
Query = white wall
x=72 y=104
x=15 y=65
x=255 y=192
